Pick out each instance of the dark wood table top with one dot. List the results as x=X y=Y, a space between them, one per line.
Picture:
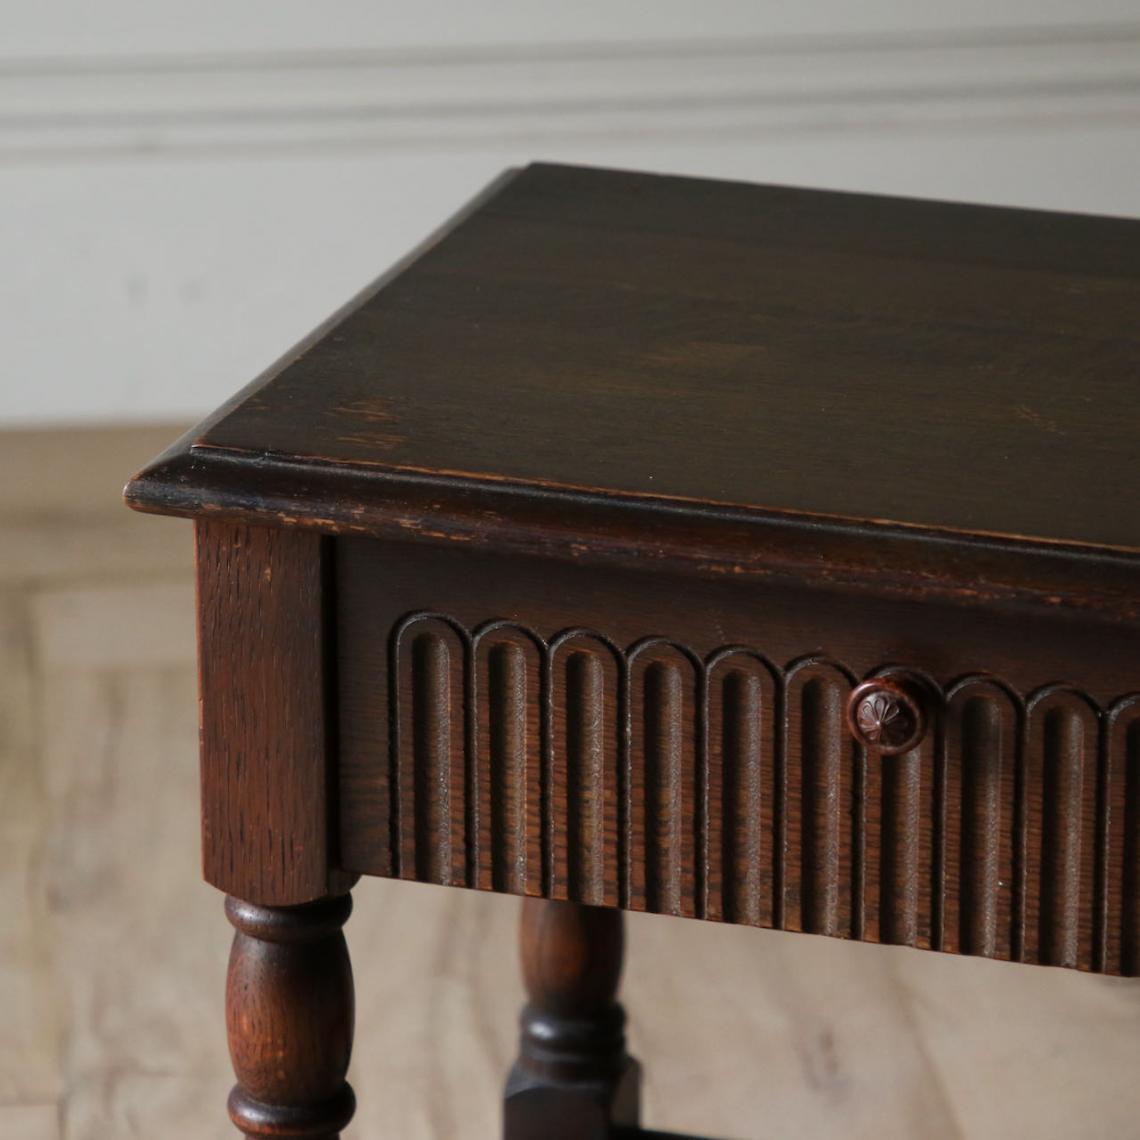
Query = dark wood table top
x=750 y=377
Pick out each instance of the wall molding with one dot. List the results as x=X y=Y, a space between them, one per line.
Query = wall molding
x=448 y=99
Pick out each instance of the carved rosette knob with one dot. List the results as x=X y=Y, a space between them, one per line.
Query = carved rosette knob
x=887 y=715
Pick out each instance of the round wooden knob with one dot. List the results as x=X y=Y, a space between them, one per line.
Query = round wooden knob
x=887 y=714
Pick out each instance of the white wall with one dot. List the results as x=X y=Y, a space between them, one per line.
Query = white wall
x=187 y=189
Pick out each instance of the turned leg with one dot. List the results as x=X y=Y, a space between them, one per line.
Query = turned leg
x=289 y=1014
x=573 y=1079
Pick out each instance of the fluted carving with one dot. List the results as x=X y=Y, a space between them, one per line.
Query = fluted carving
x=729 y=787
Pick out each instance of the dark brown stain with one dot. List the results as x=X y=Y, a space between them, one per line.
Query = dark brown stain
x=549 y=565
x=889 y=395
x=683 y=775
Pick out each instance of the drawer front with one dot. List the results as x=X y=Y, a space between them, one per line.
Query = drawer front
x=681 y=746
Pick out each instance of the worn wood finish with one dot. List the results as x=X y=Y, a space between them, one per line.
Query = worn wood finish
x=289 y=1014
x=266 y=764
x=552 y=566
x=573 y=1079
x=915 y=396
x=681 y=746
x=731 y=313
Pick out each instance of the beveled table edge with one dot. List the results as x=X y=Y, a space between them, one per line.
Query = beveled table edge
x=886 y=558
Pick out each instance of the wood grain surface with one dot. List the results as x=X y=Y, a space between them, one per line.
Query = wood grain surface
x=719 y=343
x=290 y=1017
x=679 y=746
x=266 y=766
x=916 y=396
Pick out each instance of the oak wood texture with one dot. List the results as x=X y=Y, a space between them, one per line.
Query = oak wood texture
x=267 y=774
x=553 y=562
x=289 y=1015
x=931 y=398
x=680 y=745
x=573 y=1079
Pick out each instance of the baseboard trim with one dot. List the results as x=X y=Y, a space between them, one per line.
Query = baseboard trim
x=443 y=99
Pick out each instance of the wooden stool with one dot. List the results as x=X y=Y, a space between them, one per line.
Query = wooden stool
x=755 y=555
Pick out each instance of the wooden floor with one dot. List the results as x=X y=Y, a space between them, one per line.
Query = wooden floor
x=112 y=952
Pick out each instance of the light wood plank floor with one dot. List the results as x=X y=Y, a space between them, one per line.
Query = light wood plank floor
x=112 y=952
